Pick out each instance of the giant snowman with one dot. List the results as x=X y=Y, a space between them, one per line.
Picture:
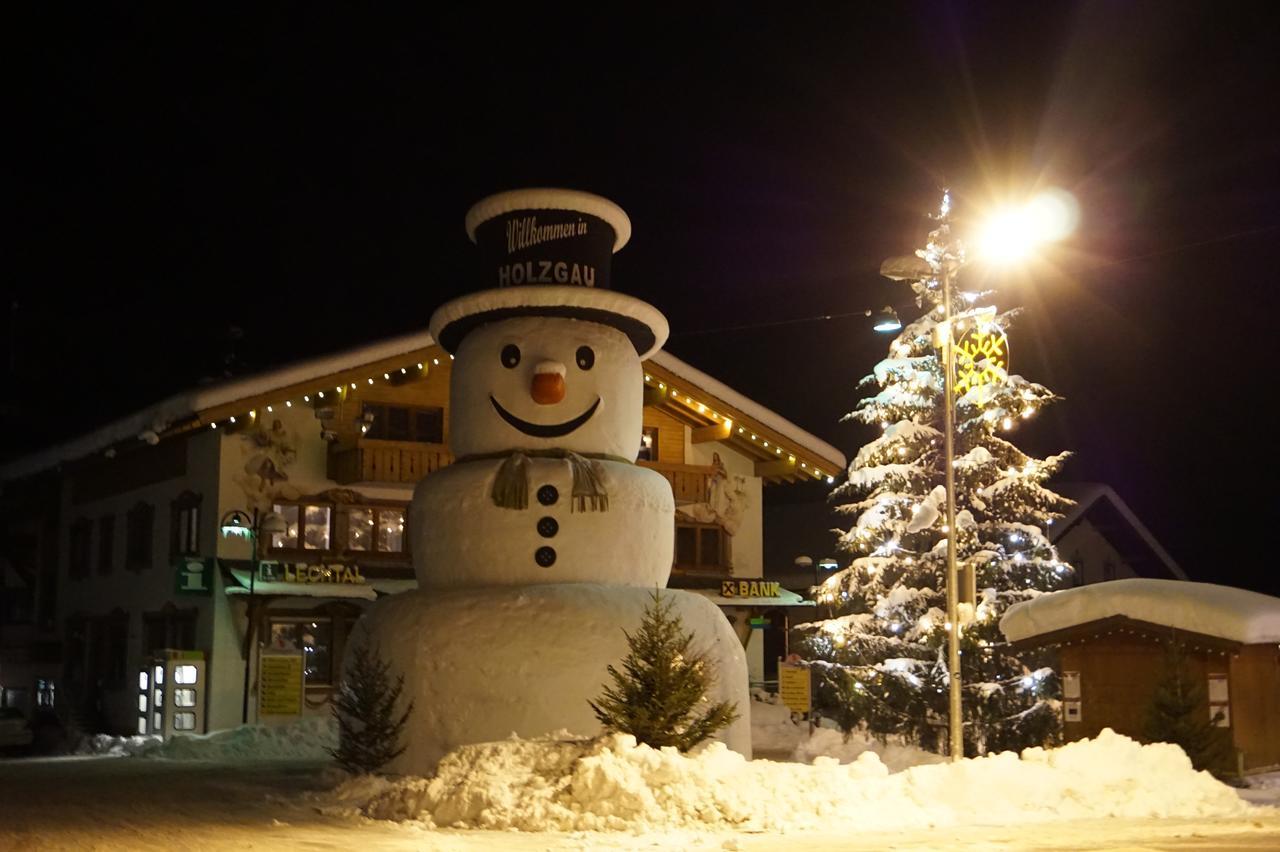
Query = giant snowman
x=544 y=540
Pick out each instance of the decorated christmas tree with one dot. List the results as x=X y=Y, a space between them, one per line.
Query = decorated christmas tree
x=880 y=658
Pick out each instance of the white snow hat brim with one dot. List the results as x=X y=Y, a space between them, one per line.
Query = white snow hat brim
x=640 y=321
x=548 y=198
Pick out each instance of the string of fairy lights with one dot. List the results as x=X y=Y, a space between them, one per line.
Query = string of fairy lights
x=717 y=417
x=340 y=391
x=319 y=396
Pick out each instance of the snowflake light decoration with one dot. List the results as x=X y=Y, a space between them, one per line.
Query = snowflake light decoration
x=981 y=357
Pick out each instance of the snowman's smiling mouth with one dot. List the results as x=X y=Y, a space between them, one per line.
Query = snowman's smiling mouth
x=551 y=430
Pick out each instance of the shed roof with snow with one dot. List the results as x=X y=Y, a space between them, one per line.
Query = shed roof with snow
x=1224 y=612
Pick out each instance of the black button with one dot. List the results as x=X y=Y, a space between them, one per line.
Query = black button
x=548 y=527
x=548 y=495
x=546 y=556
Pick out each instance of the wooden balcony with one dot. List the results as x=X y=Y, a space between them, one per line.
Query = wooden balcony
x=688 y=481
x=386 y=461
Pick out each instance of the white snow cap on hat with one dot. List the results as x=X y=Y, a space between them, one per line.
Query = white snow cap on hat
x=641 y=322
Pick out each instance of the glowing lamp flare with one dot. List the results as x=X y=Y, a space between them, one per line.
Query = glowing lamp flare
x=1013 y=233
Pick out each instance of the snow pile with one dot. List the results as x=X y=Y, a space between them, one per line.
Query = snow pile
x=611 y=783
x=831 y=743
x=307 y=739
x=773 y=732
x=1235 y=614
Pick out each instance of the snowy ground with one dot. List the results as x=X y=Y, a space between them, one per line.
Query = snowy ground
x=179 y=801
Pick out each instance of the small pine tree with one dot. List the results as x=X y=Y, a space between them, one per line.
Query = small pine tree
x=368 y=730
x=661 y=686
x=1178 y=714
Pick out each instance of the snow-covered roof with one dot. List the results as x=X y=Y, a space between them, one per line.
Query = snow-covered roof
x=168 y=412
x=751 y=408
x=161 y=415
x=1238 y=615
x=1088 y=495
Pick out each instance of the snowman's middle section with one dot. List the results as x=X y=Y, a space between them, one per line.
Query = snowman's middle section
x=461 y=538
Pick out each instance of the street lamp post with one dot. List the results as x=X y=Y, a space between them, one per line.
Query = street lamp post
x=240 y=524
x=955 y=725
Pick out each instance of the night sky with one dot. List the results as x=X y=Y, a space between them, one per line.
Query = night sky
x=192 y=192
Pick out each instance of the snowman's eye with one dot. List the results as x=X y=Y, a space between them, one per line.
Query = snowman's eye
x=586 y=357
x=510 y=356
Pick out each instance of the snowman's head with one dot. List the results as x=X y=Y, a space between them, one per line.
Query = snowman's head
x=546 y=382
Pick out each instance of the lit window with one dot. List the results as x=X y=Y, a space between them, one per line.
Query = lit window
x=184 y=698
x=360 y=525
x=390 y=530
x=184 y=721
x=289 y=538
x=184 y=674
x=314 y=637
x=315 y=533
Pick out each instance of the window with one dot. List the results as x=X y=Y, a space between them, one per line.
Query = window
x=306 y=526
x=374 y=528
x=106 y=543
x=353 y=528
x=701 y=546
x=184 y=526
x=78 y=551
x=288 y=539
x=137 y=542
x=314 y=638
x=401 y=423
x=648 y=444
x=169 y=628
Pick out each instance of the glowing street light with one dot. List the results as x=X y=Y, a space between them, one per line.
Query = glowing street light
x=1013 y=233
x=1009 y=235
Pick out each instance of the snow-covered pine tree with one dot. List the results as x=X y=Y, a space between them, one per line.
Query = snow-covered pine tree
x=880 y=658
x=660 y=694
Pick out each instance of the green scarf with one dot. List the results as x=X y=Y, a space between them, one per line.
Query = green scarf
x=511 y=486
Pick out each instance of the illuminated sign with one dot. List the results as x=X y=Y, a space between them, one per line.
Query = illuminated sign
x=290 y=572
x=981 y=357
x=750 y=589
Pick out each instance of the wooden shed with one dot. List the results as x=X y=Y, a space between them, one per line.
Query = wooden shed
x=1111 y=640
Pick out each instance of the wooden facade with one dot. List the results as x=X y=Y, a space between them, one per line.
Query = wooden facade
x=1110 y=669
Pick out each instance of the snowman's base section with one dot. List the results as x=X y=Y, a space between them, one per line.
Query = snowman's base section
x=483 y=664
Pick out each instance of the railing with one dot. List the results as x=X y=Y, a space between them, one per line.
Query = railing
x=688 y=481
x=386 y=461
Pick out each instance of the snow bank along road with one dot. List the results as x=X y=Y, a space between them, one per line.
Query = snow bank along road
x=112 y=803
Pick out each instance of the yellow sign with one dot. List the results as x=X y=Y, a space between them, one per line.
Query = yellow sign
x=793 y=684
x=981 y=357
x=280 y=684
x=750 y=589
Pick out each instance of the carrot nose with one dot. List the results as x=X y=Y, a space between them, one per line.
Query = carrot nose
x=548 y=383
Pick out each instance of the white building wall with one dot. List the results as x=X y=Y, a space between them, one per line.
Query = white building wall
x=747 y=546
x=241 y=487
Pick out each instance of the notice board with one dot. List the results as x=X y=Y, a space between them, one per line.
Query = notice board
x=280 y=684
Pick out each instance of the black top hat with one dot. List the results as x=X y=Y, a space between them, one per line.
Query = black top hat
x=547 y=252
